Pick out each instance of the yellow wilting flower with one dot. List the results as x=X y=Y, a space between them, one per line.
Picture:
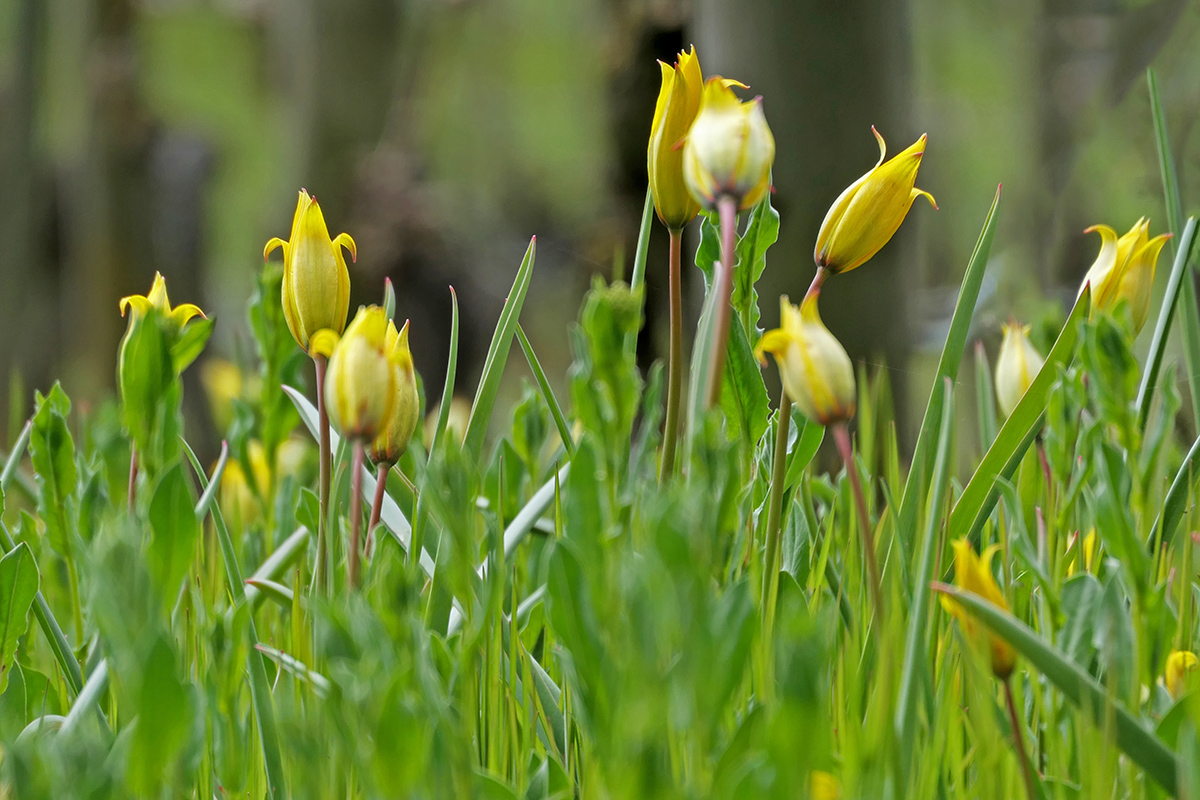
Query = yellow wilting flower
x=157 y=299
x=1124 y=270
x=393 y=439
x=360 y=382
x=974 y=573
x=1089 y=553
x=815 y=368
x=869 y=212
x=823 y=786
x=729 y=149
x=1177 y=674
x=316 y=284
x=678 y=102
x=1017 y=366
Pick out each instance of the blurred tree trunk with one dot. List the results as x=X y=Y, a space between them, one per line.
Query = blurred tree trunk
x=828 y=70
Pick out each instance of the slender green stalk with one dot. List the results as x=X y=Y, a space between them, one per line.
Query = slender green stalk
x=1019 y=741
x=133 y=471
x=727 y=209
x=775 y=514
x=841 y=435
x=321 y=570
x=356 y=471
x=675 y=364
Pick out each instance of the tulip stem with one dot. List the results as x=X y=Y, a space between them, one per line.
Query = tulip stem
x=675 y=365
x=1019 y=741
x=381 y=476
x=727 y=210
x=775 y=512
x=321 y=570
x=817 y=281
x=355 y=512
x=842 y=436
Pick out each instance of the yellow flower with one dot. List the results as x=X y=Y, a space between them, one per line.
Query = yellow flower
x=1089 y=553
x=1017 y=366
x=360 y=381
x=815 y=368
x=1177 y=675
x=729 y=149
x=157 y=299
x=316 y=284
x=678 y=102
x=823 y=786
x=869 y=212
x=457 y=418
x=223 y=383
x=238 y=498
x=974 y=573
x=392 y=441
x=1124 y=270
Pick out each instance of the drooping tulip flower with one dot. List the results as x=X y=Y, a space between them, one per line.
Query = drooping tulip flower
x=974 y=574
x=678 y=103
x=316 y=283
x=729 y=149
x=1124 y=270
x=1177 y=674
x=1017 y=366
x=360 y=382
x=815 y=368
x=392 y=440
x=866 y=215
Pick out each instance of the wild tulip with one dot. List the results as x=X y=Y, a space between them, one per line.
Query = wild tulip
x=1017 y=366
x=157 y=299
x=866 y=215
x=360 y=382
x=391 y=442
x=316 y=283
x=1123 y=272
x=1177 y=674
x=678 y=103
x=729 y=149
x=974 y=574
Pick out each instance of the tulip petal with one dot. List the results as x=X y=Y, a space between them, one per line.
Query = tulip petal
x=922 y=193
x=775 y=342
x=322 y=342
x=882 y=145
x=347 y=241
x=273 y=243
x=139 y=303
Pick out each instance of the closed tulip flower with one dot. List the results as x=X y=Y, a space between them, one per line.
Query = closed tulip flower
x=815 y=368
x=678 y=102
x=974 y=574
x=1177 y=675
x=316 y=284
x=1018 y=365
x=1124 y=270
x=360 y=382
x=865 y=216
x=729 y=149
x=393 y=440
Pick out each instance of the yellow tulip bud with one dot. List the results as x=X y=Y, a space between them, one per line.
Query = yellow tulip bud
x=865 y=216
x=678 y=102
x=729 y=149
x=823 y=786
x=1089 y=553
x=360 y=382
x=157 y=299
x=815 y=368
x=1177 y=675
x=316 y=284
x=1124 y=270
x=974 y=573
x=1017 y=366
x=392 y=441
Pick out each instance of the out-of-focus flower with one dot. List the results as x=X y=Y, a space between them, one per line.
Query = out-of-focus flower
x=729 y=149
x=865 y=216
x=222 y=381
x=392 y=441
x=238 y=498
x=1124 y=270
x=157 y=298
x=360 y=381
x=1089 y=553
x=316 y=284
x=815 y=368
x=823 y=786
x=1178 y=673
x=1017 y=366
x=974 y=573
x=678 y=102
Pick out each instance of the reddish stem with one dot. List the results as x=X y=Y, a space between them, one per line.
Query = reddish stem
x=356 y=513
x=322 y=571
x=1019 y=741
x=842 y=436
x=381 y=476
x=675 y=364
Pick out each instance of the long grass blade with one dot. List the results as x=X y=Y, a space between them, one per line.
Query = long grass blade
x=1162 y=328
x=1177 y=497
x=97 y=682
x=560 y=420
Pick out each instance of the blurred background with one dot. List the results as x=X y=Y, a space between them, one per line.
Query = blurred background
x=172 y=135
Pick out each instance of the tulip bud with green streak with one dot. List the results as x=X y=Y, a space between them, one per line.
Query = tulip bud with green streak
x=678 y=103
x=1124 y=270
x=393 y=440
x=729 y=149
x=151 y=361
x=865 y=216
x=360 y=383
x=974 y=573
x=1177 y=674
x=1017 y=366
x=316 y=283
x=815 y=368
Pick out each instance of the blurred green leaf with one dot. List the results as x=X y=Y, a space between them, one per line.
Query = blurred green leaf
x=52 y=452
x=19 y=582
x=162 y=723
x=174 y=530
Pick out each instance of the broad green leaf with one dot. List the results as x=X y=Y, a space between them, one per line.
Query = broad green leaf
x=174 y=529
x=19 y=582
x=805 y=439
x=191 y=342
x=743 y=393
x=762 y=231
x=978 y=498
x=1133 y=735
x=52 y=452
x=162 y=723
